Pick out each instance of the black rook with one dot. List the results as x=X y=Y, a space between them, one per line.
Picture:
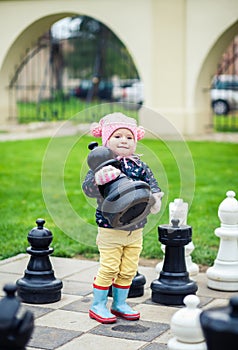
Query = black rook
x=173 y=283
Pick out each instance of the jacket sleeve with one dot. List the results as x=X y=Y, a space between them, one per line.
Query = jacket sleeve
x=148 y=177
x=90 y=187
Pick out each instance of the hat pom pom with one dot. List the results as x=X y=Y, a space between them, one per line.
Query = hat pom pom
x=140 y=132
x=96 y=130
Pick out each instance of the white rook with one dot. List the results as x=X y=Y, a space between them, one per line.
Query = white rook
x=223 y=275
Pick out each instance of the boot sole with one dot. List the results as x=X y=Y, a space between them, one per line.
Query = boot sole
x=101 y=319
x=128 y=317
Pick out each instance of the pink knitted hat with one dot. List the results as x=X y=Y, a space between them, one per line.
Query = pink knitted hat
x=111 y=122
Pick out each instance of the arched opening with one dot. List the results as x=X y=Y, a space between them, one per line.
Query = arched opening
x=203 y=92
x=224 y=90
x=79 y=62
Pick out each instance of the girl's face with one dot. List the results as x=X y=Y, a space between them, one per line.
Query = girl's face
x=122 y=142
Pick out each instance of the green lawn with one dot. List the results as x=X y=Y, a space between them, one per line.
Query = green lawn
x=226 y=123
x=64 y=109
x=42 y=179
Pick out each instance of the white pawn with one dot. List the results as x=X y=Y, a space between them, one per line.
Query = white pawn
x=185 y=325
x=179 y=210
x=223 y=275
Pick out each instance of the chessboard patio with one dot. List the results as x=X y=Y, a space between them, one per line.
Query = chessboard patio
x=65 y=325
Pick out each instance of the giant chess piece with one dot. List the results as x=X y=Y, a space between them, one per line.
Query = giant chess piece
x=15 y=328
x=173 y=283
x=220 y=326
x=178 y=210
x=39 y=285
x=126 y=202
x=186 y=328
x=223 y=274
x=137 y=286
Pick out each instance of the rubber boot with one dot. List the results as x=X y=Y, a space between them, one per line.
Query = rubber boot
x=98 y=310
x=119 y=306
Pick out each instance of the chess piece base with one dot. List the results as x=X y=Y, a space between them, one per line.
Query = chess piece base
x=223 y=276
x=173 y=294
x=174 y=344
x=39 y=293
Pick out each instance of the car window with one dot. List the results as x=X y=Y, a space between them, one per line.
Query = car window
x=225 y=85
x=85 y=84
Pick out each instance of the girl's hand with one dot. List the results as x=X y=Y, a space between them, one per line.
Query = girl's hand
x=157 y=205
x=106 y=174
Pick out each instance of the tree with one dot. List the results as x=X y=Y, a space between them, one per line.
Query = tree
x=97 y=52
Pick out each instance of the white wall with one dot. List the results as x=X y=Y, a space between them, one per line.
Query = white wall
x=175 y=44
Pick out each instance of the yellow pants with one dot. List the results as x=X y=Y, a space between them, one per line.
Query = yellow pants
x=119 y=256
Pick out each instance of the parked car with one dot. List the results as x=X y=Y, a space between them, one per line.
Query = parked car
x=224 y=94
x=104 y=89
x=119 y=85
x=133 y=93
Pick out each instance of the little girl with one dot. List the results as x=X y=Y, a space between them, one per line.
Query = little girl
x=119 y=249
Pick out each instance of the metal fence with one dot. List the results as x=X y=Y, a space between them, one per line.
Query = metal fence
x=44 y=89
x=224 y=90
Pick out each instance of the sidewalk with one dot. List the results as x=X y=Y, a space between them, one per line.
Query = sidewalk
x=65 y=325
x=13 y=132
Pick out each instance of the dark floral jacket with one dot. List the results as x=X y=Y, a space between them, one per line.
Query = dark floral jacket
x=132 y=167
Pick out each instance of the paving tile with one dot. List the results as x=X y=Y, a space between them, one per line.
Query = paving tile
x=7 y=278
x=86 y=274
x=76 y=288
x=203 y=290
x=94 y=342
x=65 y=299
x=12 y=259
x=63 y=267
x=150 y=274
x=138 y=330
x=155 y=346
x=216 y=303
x=204 y=301
x=146 y=296
x=81 y=305
x=50 y=338
x=164 y=337
x=156 y=312
x=76 y=321
x=66 y=267
x=17 y=265
x=36 y=310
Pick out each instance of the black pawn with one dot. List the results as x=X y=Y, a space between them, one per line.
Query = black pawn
x=173 y=283
x=39 y=285
x=137 y=286
x=15 y=331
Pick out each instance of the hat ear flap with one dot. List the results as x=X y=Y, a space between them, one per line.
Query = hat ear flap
x=140 y=132
x=96 y=130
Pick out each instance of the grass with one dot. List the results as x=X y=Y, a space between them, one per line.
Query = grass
x=64 y=109
x=226 y=123
x=42 y=178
